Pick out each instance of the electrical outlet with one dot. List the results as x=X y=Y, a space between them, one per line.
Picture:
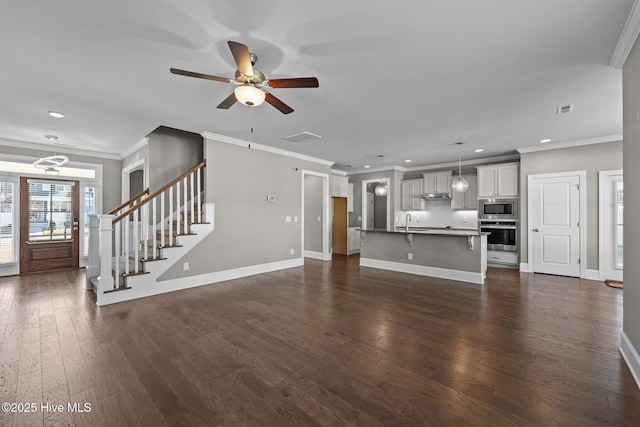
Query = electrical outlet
x=292 y=251
x=295 y=219
x=464 y=220
x=185 y=266
x=287 y=219
x=410 y=256
x=319 y=219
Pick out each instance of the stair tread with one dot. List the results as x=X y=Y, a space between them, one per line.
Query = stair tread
x=152 y=259
x=120 y=288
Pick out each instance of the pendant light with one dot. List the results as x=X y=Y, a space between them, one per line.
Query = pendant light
x=460 y=184
x=381 y=188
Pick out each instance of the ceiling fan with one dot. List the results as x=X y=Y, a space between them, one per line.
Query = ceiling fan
x=251 y=84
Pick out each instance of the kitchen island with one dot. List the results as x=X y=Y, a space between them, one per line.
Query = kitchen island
x=457 y=254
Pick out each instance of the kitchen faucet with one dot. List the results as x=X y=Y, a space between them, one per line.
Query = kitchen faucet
x=406 y=220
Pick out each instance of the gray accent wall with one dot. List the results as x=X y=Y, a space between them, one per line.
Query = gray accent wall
x=631 y=150
x=590 y=158
x=249 y=230
x=313 y=211
x=170 y=153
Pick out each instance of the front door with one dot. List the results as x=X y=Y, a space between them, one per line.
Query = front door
x=49 y=224
x=555 y=225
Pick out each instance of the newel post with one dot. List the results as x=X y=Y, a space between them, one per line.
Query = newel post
x=93 y=265
x=105 y=279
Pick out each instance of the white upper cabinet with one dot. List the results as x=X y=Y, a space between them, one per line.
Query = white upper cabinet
x=339 y=186
x=469 y=199
x=500 y=180
x=411 y=190
x=437 y=182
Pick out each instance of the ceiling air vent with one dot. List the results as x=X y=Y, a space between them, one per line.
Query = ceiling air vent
x=302 y=137
x=565 y=109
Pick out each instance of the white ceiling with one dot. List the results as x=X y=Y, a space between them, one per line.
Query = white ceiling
x=402 y=79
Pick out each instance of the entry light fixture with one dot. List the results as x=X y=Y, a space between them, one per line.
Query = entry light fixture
x=460 y=184
x=49 y=164
x=249 y=95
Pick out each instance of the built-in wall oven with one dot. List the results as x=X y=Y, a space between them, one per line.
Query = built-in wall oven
x=500 y=218
x=504 y=234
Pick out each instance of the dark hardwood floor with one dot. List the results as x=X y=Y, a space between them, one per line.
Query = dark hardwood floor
x=326 y=344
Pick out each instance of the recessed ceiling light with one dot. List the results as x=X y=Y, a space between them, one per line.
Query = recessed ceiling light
x=55 y=114
x=478 y=150
x=51 y=137
x=544 y=141
x=367 y=166
x=407 y=161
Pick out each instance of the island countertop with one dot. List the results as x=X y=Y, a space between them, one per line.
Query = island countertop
x=434 y=231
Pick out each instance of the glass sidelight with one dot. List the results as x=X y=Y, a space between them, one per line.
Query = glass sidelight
x=619 y=225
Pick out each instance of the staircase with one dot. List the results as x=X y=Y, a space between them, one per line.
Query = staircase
x=148 y=234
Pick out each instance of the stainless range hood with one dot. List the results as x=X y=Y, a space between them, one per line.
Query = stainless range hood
x=436 y=196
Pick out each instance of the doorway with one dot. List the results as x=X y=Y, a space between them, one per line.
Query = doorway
x=376 y=210
x=556 y=212
x=49 y=224
x=315 y=215
x=611 y=225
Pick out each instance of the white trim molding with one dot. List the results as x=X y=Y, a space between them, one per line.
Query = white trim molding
x=602 y=227
x=592 y=274
x=630 y=355
x=326 y=215
x=261 y=147
x=59 y=149
x=573 y=143
x=135 y=147
x=314 y=255
x=627 y=38
x=524 y=267
x=423 y=270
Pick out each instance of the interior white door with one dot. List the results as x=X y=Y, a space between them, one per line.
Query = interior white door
x=611 y=205
x=555 y=227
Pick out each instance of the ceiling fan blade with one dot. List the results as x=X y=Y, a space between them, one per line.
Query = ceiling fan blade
x=199 y=75
x=284 y=108
x=295 y=82
x=228 y=102
x=241 y=55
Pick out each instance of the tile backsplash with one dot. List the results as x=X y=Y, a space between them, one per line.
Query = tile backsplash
x=439 y=214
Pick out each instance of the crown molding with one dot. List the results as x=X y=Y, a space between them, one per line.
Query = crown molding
x=569 y=144
x=378 y=169
x=135 y=147
x=338 y=172
x=469 y=162
x=59 y=149
x=266 y=148
x=627 y=38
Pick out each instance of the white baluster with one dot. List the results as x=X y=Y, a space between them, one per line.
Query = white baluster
x=170 y=216
x=145 y=230
x=177 y=208
x=192 y=198
x=136 y=238
x=154 y=218
x=199 y=172
x=185 y=221
x=118 y=236
x=126 y=245
x=162 y=219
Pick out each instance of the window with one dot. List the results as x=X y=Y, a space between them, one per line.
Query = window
x=7 y=215
x=50 y=210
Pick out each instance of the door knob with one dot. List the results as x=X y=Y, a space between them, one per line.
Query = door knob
x=536 y=230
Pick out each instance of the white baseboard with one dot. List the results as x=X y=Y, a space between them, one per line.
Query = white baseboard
x=524 y=267
x=313 y=254
x=592 y=274
x=630 y=356
x=199 y=280
x=422 y=270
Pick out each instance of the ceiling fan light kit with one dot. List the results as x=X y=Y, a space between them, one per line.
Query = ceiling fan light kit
x=252 y=84
x=249 y=95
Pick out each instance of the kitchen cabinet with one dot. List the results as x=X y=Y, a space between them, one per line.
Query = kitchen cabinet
x=437 y=182
x=338 y=186
x=469 y=199
x=500 y=180
x=354 y=240
x=411 y=190
x=350 y=198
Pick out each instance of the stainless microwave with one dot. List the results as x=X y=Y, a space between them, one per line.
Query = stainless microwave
x=498 y=209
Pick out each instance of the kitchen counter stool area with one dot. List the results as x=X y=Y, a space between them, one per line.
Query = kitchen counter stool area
x=449 y=254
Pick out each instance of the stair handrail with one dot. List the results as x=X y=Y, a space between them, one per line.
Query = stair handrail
x=137 y=196
x=159 y=191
